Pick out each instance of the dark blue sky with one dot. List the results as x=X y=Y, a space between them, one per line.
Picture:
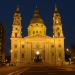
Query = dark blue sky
x=46 y=7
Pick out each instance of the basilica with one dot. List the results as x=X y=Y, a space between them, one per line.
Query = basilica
x=37 y=47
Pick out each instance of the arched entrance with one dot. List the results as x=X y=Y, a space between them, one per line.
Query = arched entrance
x=37 y=57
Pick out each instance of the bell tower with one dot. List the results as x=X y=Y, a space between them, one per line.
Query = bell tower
x=58 y=38
x=16 y=37
x=16 y=31
x=57 y=24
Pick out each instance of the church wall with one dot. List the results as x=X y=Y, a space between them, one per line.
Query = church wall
x=22 y=52
x=59 y=42
x=25 y=51
x=46 y=52
x=49 y=49
x=52 y=51
x=15 y=47
x=29 y=52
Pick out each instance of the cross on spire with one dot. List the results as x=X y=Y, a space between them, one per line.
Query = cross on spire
x=17 y=10
x=36 y=4
x=56 y=7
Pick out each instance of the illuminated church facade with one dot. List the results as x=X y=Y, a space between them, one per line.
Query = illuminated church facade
x=37 y=47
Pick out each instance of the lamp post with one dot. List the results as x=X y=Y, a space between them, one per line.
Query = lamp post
x=67 y=50
x=69 y=55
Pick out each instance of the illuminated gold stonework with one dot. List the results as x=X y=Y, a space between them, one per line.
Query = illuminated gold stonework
x=25 y=50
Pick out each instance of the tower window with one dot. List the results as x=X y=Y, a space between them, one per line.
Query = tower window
x=57 y=29
x=15 y=34
x=15 y=46
x=16 y=28
x=58 y=34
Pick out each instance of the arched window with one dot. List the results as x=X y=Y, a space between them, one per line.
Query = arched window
x=59 y=45
x=16 y=28
x=52 y=54
x=22 y=46
x=22 y=55
x=58 y=34
x=15 y=46
x=36 y=24
x=36 y=31
x=33 y=32
x=57 y=29
x=52 y=46
x=15 y=34
x=59 y=55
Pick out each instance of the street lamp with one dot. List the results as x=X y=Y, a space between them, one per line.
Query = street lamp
x=67 y=49
x=69 y=55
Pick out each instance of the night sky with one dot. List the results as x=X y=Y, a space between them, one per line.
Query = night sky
x=46 y=8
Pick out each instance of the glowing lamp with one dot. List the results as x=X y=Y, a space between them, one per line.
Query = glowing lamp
x=37 y=53
x=67 y=49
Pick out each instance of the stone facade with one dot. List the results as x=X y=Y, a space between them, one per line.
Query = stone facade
x=37 y=45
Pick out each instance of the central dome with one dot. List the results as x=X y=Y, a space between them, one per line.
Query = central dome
x=36 y=17
x=36 y=26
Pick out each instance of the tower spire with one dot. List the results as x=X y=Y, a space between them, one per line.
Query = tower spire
x=17 y=10
x=36 y=16
x=56 y=9
x=57 y=24
x=16 y=31
x=36 y=4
